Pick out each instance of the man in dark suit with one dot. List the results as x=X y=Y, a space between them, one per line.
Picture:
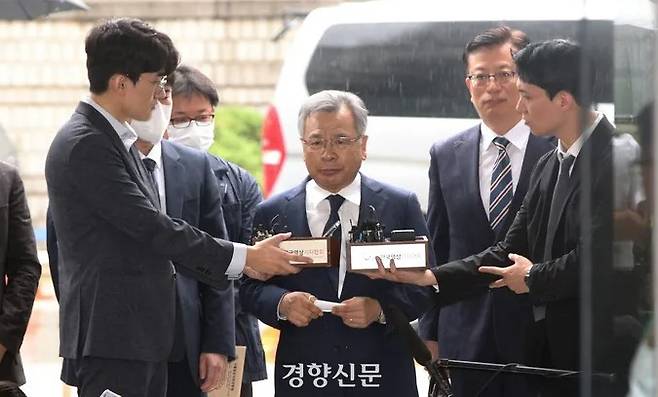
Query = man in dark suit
x=195 y=99
x=205 y=335
x=478 y=179
x=552 y=247
x=350 y=351
x=115 y=246
x=20 y=270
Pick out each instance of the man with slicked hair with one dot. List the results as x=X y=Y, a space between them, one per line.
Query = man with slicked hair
x=550 y=243
x=478 y=179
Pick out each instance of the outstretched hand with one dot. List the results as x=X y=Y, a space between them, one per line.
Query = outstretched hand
x=422 y=278
x=266 y=259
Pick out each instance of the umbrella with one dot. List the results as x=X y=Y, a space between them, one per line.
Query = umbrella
x=31 y=9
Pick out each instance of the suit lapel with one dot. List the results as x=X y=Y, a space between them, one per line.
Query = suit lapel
x=130 y=158
x=174 y=173
x=535 y=148
x=594 y=144
x=295 y=213
x=467 y=153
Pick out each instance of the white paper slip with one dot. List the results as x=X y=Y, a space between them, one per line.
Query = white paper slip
x=325 y=306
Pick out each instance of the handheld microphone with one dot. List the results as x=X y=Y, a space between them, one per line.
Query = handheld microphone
x=332 y=229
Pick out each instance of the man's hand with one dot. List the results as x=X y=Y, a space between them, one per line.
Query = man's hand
x=299 y=309
x=358 y=312
x=513 y=276
x=422 y=278
x=266 y=259
x=256 y=275
x=212 y=371
x=433 y=347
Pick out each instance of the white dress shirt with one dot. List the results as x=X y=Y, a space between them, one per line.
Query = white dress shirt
x=518 y=137
x=575 y=147
x=318 y=211
x=126 y=133
x=128 y=137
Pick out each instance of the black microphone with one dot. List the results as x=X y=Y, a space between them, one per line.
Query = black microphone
x=419 y=351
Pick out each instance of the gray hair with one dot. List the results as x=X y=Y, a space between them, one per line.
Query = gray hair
x=331 y=101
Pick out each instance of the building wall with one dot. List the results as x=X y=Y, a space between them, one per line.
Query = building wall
x=43 y=75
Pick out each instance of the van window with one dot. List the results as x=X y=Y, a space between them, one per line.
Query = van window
x=415 y=69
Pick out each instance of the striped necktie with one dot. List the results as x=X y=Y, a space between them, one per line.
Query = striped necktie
x=502 y=192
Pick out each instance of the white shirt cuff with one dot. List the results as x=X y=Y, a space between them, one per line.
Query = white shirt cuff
x=236 y=267
x=280 y=316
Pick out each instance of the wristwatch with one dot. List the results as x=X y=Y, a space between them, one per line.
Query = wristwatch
x=526 y=278
x=381 y=318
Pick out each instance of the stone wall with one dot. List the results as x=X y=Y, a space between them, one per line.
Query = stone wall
x=43 y=75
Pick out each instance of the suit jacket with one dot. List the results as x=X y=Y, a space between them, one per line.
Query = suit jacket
x=556 y=275
x=206 y=313
x=240 y=196
x=20 y=270
x=327 y=339
x=488 y=325
x=117 y=282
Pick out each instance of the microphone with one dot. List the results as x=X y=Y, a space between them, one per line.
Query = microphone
x=332 y=229
x=419 y=351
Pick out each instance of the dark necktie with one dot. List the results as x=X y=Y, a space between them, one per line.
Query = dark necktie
x=149 y=164
x=335 y=201
x=559 y=195
x=502 y=189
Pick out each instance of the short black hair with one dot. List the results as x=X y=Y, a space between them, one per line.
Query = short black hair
x=495 y=37
x=127 y=46
x=190 y=81
x=554 y=66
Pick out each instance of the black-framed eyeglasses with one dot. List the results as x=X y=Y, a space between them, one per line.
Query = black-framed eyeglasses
x=338 y=143
x=482 y=79
x=184 y=122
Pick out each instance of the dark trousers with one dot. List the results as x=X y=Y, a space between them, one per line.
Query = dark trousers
x=128 y=378
x=180 y=382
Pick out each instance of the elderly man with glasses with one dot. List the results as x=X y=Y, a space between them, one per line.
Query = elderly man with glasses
x=350 y=351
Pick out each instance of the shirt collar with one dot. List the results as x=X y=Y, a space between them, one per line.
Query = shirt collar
x=517 y=135
x=352 y=192
x=127 y=135
x=155 y=154
x=574 y=149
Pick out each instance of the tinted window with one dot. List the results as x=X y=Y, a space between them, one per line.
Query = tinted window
x=415 y=69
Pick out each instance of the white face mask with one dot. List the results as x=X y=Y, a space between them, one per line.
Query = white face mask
x=194 y=136
x=153 y=129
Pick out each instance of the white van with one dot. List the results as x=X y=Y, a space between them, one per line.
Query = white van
x=403 y=58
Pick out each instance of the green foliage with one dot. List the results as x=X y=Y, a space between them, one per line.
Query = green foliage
x=237 y=138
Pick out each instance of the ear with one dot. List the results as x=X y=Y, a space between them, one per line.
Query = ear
x=564 y=100
x=117 y=83
x=469 y=87
x=364 y=143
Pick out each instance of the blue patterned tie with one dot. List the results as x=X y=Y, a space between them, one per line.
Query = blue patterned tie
x=502 y=191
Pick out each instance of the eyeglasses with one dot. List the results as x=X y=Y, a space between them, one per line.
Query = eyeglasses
x=482 y=79
x=338 y=143
x=162 y=83
x=184 y=122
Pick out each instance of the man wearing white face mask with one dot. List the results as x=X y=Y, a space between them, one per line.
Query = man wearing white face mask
x=205 y=333
x=195 y=98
